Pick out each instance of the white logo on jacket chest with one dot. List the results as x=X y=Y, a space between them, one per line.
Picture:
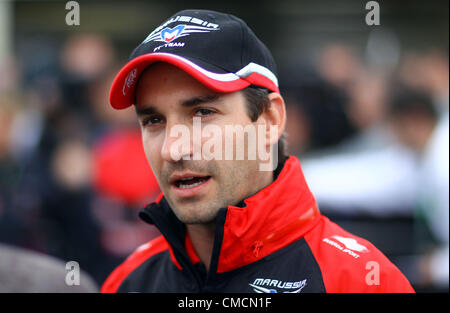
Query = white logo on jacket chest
x=350 y=245
x=261 y=285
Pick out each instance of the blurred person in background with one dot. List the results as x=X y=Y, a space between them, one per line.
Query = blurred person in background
x=318 y=99
x=427 y=71
x=339 y=65
x=24 y=210
x=50 y=200
x=415 y=121
x=358 y=167
x=10 y=223
x=86 y=62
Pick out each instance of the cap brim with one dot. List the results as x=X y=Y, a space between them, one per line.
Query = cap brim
x=123 y=88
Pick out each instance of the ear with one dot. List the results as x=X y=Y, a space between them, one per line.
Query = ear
x=275 y=115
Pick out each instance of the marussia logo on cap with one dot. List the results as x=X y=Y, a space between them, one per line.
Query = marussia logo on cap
x=164 y=33
x=168 y=34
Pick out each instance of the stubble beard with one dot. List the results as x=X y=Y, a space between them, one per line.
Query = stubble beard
x=228 y=179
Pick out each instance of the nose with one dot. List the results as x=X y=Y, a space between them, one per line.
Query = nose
x=177 y=143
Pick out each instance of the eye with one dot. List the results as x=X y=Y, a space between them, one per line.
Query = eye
x=203 y=112
x=151 y=120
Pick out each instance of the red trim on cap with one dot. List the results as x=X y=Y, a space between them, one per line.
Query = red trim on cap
x=261 y=80
x=122 y=92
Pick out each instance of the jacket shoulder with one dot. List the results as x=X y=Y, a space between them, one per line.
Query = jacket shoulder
x=132 y=262
x=352 y=264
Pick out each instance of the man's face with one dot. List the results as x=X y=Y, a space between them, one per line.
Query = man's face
x=195 y=189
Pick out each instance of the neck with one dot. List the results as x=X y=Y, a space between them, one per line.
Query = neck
x=202 y=238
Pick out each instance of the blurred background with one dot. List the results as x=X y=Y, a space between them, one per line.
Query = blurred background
x=367 y=117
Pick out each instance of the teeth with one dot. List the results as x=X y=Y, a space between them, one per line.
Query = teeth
x=185 y=186
x=182 y=186
x=187 y=178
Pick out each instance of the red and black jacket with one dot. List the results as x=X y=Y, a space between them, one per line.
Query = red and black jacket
x=274 y=241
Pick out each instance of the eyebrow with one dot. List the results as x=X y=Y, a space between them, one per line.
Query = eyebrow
x=199 y=100
x=187 y=103
x=145 y=111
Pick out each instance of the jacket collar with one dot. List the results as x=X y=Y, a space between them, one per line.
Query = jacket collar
x=276 y=216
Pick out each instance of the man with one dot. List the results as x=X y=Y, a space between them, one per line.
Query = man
x=228 y=224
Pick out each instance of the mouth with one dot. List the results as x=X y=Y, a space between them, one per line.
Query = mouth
x=188 y=184
x=190 y=181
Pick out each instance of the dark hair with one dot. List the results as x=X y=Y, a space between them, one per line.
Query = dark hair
x=258 y=102
x=406 y=101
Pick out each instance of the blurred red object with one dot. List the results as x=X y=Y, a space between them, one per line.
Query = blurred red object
x=121 y=170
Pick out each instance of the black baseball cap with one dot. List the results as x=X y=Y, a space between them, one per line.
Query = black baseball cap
x=217 y=49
